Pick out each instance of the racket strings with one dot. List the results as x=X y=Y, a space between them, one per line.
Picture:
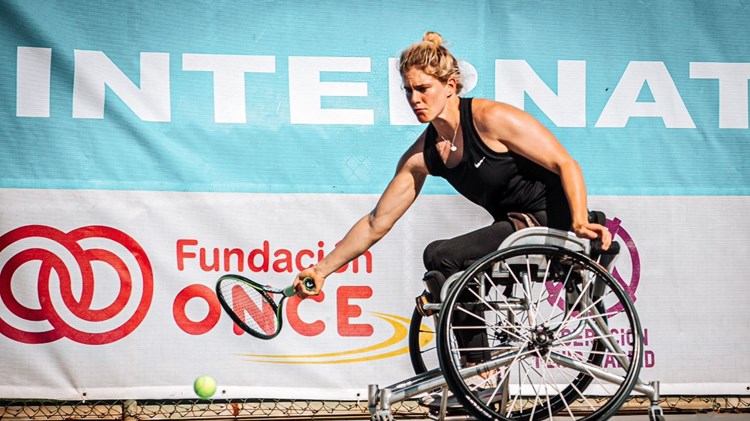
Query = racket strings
x=253 y=307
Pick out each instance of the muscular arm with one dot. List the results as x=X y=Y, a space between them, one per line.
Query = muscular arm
x=505 y=127
x=398 y=196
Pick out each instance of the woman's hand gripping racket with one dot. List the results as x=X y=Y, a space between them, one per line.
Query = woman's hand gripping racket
x=251 y=306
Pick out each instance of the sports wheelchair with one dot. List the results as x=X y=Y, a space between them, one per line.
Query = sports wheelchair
x=560 y=337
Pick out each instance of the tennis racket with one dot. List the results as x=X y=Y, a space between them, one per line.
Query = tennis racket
x=251 y=306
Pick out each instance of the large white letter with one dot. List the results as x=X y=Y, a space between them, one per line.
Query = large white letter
x=94 y=70
x=667 y=103
x=229 y=80
x=33 y=81
x=400 y=111
x=733 y=79
x=515 y=78
x=306 y=90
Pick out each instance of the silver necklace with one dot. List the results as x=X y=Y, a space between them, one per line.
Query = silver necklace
x=454 y=148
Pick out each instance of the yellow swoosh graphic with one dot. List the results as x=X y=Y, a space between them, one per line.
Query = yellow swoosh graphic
x=400 y=332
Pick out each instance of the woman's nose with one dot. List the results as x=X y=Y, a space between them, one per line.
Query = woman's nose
x=413 y=97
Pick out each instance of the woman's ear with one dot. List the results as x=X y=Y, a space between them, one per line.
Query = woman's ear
x=451 y=84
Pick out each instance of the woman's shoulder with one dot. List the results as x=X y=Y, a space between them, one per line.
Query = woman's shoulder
x=483 y=106
x=413 y=158
x=489 y=114
x=420 y=141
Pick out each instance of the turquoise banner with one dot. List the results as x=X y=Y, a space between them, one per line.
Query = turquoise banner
x=651 y=97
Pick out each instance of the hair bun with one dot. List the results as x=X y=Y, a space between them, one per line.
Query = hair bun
x=433 y=37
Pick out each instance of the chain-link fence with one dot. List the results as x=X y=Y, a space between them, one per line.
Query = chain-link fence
x=279 y=409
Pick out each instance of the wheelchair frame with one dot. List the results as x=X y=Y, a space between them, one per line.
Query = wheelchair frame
x=451 y=375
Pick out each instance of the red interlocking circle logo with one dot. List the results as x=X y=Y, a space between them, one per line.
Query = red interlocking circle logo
x=93 y=285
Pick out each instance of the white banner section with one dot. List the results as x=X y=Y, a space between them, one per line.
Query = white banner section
x=109 y=294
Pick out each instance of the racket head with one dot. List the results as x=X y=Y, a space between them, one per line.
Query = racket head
x=250 y=305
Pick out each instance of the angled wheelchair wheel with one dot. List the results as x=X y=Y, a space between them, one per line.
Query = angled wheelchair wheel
x=542 y=332
x=422 y=344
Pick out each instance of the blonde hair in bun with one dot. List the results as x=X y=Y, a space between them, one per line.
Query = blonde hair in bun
x=433 y=37
x=431 y=57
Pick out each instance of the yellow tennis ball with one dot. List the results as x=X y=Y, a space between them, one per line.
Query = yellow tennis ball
x=204 y=386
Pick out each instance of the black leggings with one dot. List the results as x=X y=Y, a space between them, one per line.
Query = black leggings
x=442 y=258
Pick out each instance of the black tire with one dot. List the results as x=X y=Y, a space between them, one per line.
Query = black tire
x=549 y=337
x=422 y=348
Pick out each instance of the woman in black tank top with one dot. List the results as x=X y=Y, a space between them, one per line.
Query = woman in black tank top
x=495 y=155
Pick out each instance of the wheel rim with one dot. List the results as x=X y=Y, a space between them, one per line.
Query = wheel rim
x=540 y=367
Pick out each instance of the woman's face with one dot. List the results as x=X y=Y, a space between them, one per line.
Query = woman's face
x=426 y=94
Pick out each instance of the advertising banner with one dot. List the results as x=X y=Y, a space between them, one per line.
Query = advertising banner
x=147 y=148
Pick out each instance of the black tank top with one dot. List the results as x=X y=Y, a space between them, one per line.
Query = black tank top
x=498 y=182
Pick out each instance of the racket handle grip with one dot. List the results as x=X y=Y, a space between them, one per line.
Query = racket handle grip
x=307 y=282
